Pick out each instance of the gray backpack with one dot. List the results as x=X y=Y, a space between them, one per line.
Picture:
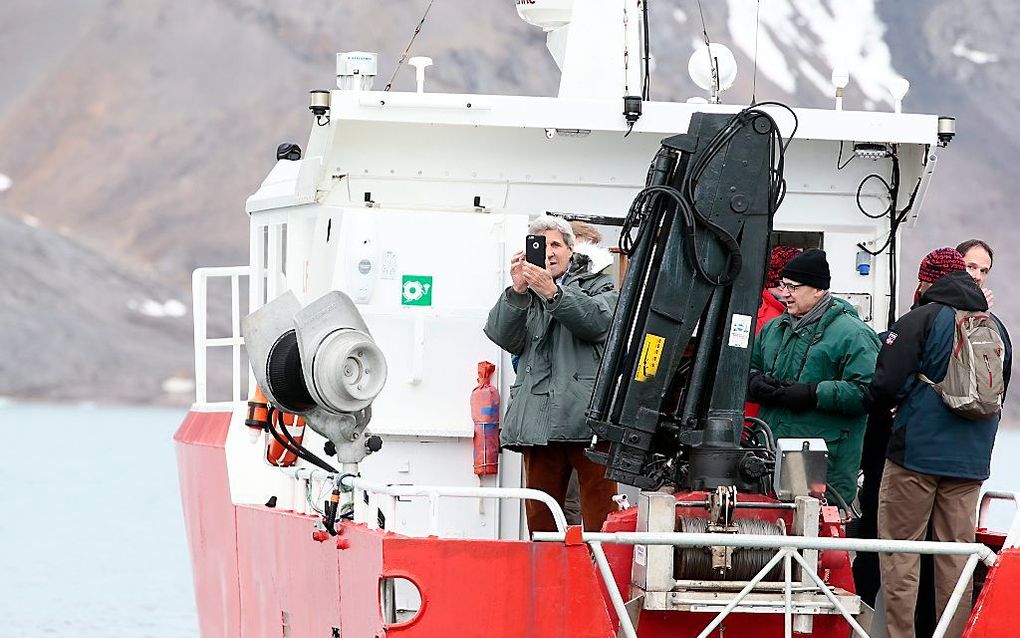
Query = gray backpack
x=973 y=385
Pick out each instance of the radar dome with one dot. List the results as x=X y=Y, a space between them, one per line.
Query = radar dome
x=705 y=58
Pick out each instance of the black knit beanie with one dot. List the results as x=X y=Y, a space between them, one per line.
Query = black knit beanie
x=809 y=267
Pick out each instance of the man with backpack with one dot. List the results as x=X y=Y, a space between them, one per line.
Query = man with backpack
x=943 y=370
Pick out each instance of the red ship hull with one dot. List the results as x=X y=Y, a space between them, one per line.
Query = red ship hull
x=258 y=572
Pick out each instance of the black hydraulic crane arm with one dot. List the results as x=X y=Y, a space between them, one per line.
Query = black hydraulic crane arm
x=669 y=396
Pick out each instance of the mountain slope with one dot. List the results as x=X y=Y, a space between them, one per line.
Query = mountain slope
x=134 y=131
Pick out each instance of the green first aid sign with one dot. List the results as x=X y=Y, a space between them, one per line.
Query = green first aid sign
x=416 y=290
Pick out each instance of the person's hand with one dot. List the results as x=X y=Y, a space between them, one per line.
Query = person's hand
x=797 y=396
x=519 y=284
x=539 y=280
x=989 y=297
x=761 y=388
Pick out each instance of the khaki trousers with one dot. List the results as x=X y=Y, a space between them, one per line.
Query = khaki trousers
x=548 y=468
x=907 y=501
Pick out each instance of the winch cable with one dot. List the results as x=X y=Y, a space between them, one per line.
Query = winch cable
x=695 y=563
x=407 y=49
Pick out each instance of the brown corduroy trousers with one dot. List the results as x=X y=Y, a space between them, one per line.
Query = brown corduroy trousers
x=548 y=468
x=907 y=501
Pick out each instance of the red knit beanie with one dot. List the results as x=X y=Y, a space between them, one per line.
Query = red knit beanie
x=939 y=263
x=778 y=258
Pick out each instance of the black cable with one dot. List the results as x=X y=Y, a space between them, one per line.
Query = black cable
x=765 y=427
x=646 y=89
x=686 y=197
x=860 y=188
x=841 y=502
x=896 y=217
x=777 y=186
x=839 y=158
x=290 y=444
x=309 y=455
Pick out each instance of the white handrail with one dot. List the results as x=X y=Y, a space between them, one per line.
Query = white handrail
x=787 y=547
x=683 y=539
x=199 y=291
x=435 y=492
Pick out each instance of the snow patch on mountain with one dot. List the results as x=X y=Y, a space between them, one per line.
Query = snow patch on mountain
x=961 y=50
x=803 y=40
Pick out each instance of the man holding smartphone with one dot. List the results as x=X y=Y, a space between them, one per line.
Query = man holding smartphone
x=555 y=317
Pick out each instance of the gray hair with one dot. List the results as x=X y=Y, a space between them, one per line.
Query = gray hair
x=543 y=223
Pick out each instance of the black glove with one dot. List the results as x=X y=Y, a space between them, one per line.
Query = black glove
x=761 y=388
x=797 y=396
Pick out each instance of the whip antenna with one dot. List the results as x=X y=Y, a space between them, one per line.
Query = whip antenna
x=414 y=35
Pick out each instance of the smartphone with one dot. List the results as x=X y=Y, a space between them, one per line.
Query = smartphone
x=534 y=252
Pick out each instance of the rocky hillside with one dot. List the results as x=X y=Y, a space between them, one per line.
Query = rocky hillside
x=134 y=131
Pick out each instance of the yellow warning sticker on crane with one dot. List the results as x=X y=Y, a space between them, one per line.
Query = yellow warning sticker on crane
x=651 y=352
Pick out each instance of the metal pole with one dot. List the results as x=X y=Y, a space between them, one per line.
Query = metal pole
x=743 y=593
x=388 y=595
x=614 y=592
x=743 y=504
x=466 y=492
x=779 y=542
x=788 y=595
x=954 y=600
x=198 y=305
x=828 y=594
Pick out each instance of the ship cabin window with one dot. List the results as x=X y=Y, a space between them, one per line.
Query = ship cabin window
x=797 y=239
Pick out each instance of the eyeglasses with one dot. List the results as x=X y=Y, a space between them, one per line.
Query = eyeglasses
x=788 y=286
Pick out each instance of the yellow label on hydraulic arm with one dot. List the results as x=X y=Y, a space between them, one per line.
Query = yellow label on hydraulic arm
x=651 y=352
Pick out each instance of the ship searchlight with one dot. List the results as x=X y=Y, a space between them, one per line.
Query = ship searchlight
x=318 y=361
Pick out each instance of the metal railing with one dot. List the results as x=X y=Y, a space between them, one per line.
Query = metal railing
x=199 y=291
x=787 y=548
x=787 y=551
x=1013 y=534
x=434 y=492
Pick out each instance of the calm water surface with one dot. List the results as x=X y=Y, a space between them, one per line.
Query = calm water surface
x=92 y=542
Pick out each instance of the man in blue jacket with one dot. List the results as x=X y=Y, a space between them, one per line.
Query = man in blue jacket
x=936 y=459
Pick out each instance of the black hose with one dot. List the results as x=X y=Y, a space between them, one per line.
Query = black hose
x=291 y=445
x=841 y=502
x=764 y=426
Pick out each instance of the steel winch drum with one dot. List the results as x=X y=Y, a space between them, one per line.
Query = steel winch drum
x=695 y=563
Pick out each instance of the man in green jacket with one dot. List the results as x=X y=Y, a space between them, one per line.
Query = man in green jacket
x=556 y=320
x=811 y=366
